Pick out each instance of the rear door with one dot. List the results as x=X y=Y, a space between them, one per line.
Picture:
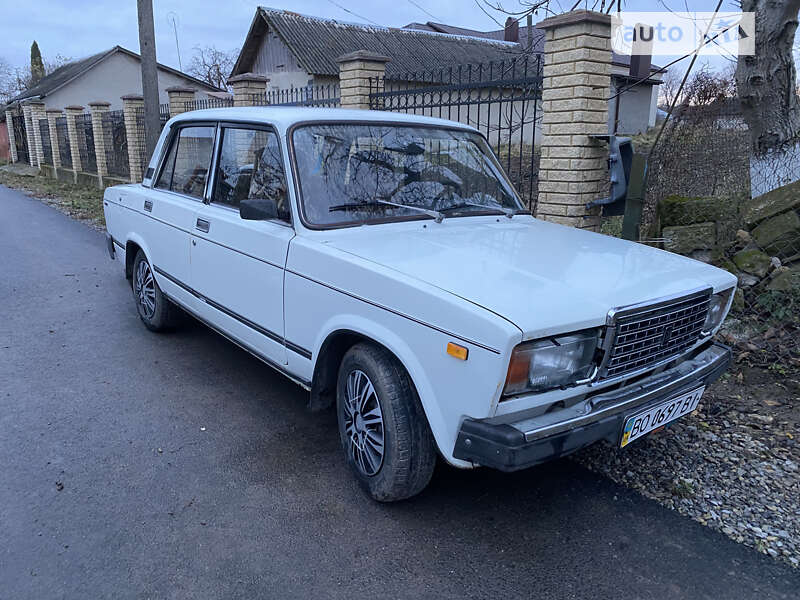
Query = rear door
x=238 y=265
x=172 y=205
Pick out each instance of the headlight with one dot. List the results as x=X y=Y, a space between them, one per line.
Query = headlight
x=549 y=363
x=717 y=308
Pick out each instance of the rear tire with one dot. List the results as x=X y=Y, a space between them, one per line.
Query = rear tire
x=382 y=425
x=154 y=308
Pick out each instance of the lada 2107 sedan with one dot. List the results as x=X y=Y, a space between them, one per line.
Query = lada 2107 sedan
x=385 y=263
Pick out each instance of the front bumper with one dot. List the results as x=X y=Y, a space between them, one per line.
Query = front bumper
x=528 y=442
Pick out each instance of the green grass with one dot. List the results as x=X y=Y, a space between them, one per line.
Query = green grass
x=78 y=201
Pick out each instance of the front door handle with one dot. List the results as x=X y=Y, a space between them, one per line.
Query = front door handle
x=202 y=225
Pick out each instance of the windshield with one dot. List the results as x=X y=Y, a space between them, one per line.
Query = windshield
x=366 y=173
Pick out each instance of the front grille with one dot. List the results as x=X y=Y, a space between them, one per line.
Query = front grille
x=644 y=337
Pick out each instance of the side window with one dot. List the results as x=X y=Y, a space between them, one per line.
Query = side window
x=186 y=167
x=165 y=177
x=251 y=166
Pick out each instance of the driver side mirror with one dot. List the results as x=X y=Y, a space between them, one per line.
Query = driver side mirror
x=258 y=209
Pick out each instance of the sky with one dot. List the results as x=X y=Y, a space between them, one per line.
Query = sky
x=79 y=28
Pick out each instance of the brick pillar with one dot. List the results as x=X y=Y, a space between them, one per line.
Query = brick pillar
x=355 y=71
x=577 y=83
x=55 y=148
x=26 y=114
x=12 y=140
x=37 y=114
x=74 y=134
x=245 y=86
x=98 y=109
x=133 y=110
x=178 y=97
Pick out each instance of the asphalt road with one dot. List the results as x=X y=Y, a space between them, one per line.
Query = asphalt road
x=136 y=465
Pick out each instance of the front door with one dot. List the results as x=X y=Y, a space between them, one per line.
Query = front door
x=238 y=265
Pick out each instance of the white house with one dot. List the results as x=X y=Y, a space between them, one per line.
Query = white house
x=107 y=76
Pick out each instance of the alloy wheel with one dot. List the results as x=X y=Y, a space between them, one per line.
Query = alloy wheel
x=363 y=422
x=145 y=288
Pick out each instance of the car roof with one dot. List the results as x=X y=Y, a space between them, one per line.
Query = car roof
x=284 y=117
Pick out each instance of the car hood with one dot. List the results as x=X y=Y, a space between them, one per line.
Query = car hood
x=544 y=278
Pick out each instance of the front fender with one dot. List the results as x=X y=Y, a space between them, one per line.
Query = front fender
x=410 y=361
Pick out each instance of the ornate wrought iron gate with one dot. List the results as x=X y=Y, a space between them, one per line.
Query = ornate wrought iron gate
x=20 y=138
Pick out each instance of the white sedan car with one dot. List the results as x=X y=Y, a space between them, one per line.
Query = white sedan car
x=385 y=263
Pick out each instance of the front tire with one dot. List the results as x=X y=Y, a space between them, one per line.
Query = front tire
x=154 y=308
x=382 y=426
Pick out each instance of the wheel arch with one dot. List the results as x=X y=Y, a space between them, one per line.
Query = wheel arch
x=335 y=343
x=133 y=244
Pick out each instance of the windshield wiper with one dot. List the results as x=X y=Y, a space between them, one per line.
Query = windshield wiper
x=509 y=212
x=437 y=216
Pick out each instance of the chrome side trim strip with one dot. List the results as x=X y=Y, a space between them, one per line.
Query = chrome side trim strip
x=243 y=320
x=301 y=382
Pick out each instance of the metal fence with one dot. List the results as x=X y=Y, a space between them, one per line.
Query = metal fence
x=64 y=150
x=83 y=125
x=116 y=144
x=701 y=181
x=20 y=138
x=326 y=95
x=207 y=103
x=47 y=147
x=501 y=99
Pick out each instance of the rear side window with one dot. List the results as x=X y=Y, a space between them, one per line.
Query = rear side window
x=186 y=167
x=250 y=166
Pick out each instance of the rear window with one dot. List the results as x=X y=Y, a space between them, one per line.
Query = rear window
x=186 y=167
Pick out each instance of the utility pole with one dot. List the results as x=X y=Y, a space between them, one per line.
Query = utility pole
x=147 y=48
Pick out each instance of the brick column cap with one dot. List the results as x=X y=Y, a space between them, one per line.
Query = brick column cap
x=73 y=107
x=248 y=77
x=53 y=111
x=575 y=16
x=33 y=103
x=179 y=89
x=132 y=97
x=99 y=104
x=364 y=55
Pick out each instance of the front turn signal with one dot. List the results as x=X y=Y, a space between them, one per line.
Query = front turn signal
x=456 y=351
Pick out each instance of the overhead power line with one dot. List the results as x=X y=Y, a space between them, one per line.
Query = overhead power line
x=423 y=9
x=350 y=12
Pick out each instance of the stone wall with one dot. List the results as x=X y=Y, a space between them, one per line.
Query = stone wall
x=758 y=240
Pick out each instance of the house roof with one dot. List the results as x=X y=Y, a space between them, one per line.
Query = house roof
x=71 y=70
x=316 y=44
x=498 y=34
x=537 y=46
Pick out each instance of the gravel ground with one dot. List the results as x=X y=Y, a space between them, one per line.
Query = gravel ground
x=733 y=465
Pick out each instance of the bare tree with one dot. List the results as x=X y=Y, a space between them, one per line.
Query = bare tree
x=766 y=81
x=705 y=87
x=212 y=65
x=15 y=80
x=669 y=88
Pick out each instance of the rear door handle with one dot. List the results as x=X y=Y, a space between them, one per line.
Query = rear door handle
x=202 y=225
x=148 y=205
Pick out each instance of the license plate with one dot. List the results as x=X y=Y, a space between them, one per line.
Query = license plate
x=645 y=422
